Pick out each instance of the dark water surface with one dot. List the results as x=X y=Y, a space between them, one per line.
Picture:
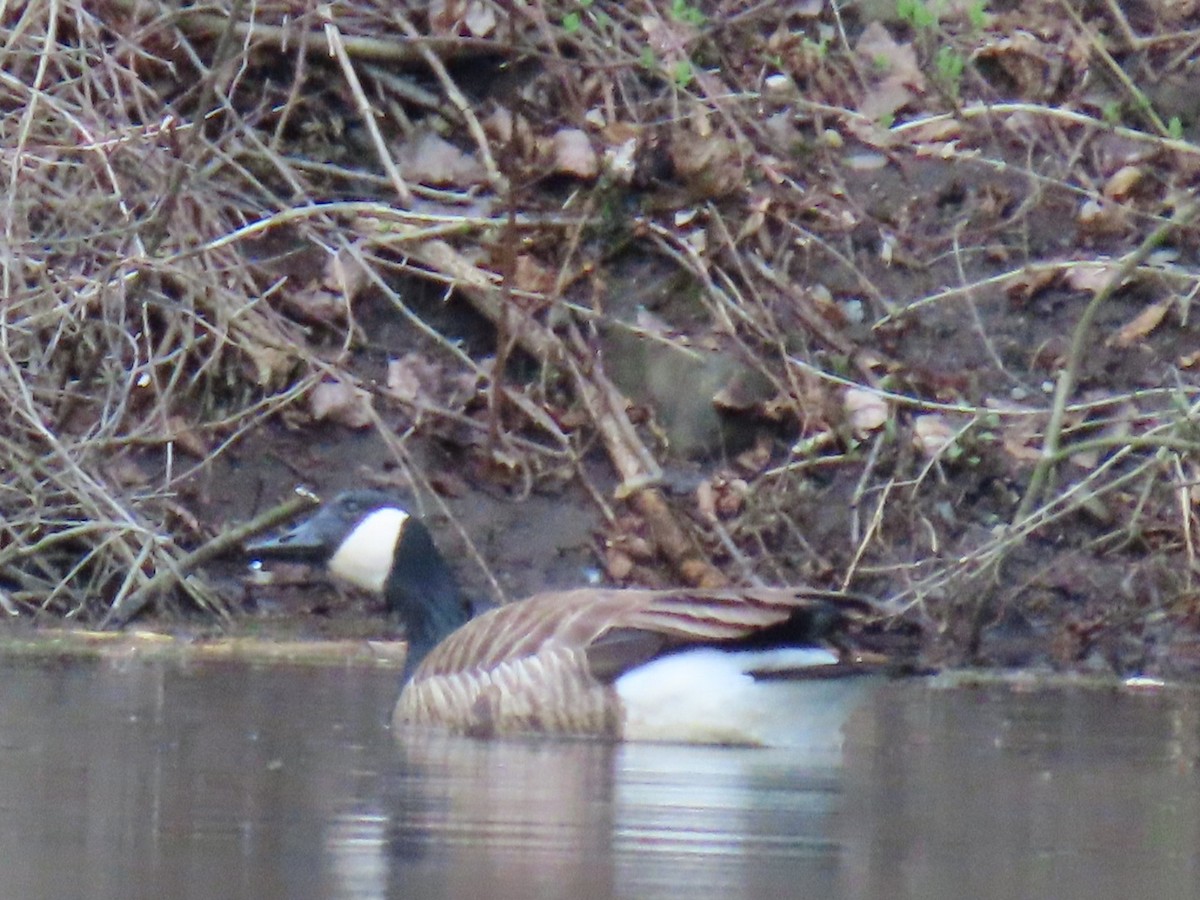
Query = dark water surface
x=150 y=779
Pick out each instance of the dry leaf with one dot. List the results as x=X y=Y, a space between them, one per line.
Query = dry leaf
x=574 y=154
x=328 y=300
x=1122 y=182
x=877 y=46
x=429 y=159
x=340 y=402
x=1092 y=277
x=866 y=411
x=403 y=380
x=1141 y=325
x=480 y=19
x=1030 y=282
x=932 y=434
x=620 y=160
x=865 y=161
x=1099 y=216
x=345 y=274
x=1022 y=447
x=1025 y=60
x=1020 y=437
x=669 y=39
x=902 y=78
x=710 y=166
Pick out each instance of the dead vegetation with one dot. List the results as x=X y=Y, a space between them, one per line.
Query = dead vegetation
x=887 y=296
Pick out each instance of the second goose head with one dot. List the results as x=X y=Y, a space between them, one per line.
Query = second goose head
x=367 y=539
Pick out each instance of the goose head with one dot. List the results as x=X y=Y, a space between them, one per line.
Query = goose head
x=366 y=539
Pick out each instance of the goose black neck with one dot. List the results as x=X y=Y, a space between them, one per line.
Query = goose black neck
x=422 y=592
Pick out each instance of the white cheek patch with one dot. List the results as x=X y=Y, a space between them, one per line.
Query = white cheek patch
x=364 y=558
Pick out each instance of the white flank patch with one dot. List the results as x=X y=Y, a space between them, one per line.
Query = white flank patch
x=364 y=558
x=706 y=696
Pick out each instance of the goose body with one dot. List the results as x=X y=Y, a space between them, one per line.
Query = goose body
x=738 y=666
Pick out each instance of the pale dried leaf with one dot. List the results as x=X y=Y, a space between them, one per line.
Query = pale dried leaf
x=574 y=154
x=878 y=48
x=932 y=434
x=345 y=275
x=620 y=160
x=754 y=461
x=1100 y=216
x=865 y=410
x=900 y=74
x=480 y=19
x=1020 y=436
x=340 y=402
x=866 y=161
x=710 y=166
x=1122 y=182
x=404 y=379
x=1140 y=325
x=885 y=99
x=427 y=158
x=1029 y=282
x=1092 y=277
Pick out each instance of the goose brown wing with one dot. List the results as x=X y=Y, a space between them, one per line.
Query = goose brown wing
x=547 y=663
x=620 y=629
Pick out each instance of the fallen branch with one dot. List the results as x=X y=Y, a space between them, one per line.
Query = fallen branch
x=128 y=606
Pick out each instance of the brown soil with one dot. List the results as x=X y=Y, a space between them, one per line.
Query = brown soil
x=896 y=302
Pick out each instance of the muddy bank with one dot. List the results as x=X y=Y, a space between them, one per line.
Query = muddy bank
x=889 y=300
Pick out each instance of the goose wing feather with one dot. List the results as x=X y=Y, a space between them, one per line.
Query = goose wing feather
x=545 y=664
x=576 y=619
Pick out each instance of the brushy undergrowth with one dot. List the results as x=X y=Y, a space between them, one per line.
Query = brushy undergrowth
x=940 y=256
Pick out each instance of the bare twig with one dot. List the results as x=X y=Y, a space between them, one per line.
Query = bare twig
x=366 y=113
x=1069 y=374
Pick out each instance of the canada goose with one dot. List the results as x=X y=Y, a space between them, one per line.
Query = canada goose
x=697 y=666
